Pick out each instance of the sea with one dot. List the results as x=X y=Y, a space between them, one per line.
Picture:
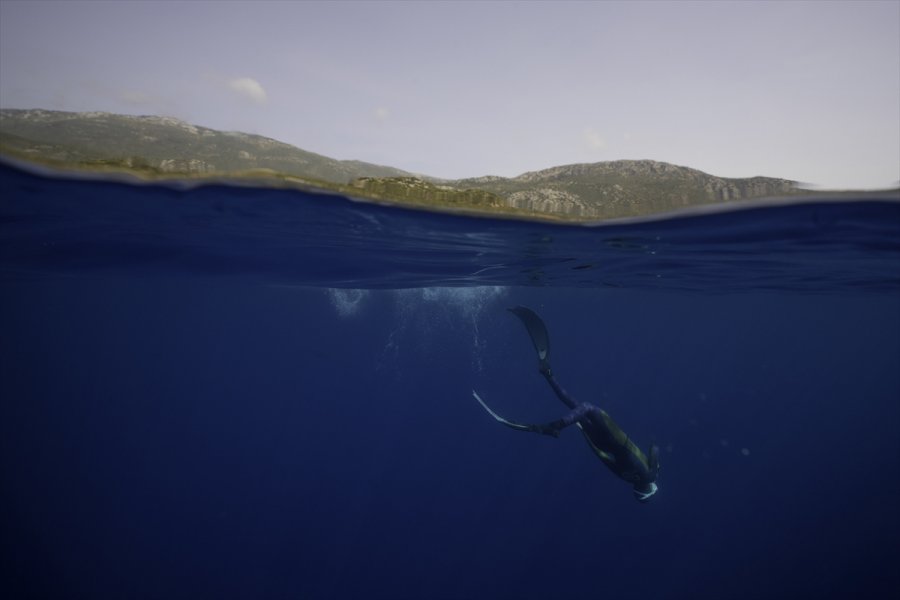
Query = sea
x=232 y=391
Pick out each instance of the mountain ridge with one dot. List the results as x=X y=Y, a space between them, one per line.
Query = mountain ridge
x=627 y=188
x=170 y=146
x=74 y=137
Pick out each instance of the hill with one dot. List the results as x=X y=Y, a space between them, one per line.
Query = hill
x=168 y=146
x=165 y=144
x=624 y=188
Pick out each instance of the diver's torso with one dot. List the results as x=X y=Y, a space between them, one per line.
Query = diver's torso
x=615 y=449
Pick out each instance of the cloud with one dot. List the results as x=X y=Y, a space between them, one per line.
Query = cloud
x=249 y=88
x=381 y=114
x=592 y=140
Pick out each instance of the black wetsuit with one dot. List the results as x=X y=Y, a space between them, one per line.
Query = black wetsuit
x=604 y=436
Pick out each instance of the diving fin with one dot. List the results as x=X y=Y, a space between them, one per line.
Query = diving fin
x=517 y=426
x=538 y=332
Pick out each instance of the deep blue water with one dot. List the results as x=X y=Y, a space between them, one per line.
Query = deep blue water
x=230 y=392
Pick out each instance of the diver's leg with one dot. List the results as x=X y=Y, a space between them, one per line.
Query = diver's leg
x=553 y=428
x=537 y=331
x=540 y=337
x=578 y=413
x=560 y=392
x=501 y=419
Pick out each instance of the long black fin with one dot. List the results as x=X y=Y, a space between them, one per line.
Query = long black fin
x=538 y=332
x=507 y=422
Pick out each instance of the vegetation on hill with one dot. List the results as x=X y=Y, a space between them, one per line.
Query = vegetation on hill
x=167 y=145
x=159 y=147
x=419 y=191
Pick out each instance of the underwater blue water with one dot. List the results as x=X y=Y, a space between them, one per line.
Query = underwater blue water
x=229 y=392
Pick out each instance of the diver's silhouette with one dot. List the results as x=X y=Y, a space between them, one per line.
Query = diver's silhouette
x=604 y=437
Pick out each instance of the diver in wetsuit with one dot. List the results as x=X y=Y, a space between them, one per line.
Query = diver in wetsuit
x=604 y=437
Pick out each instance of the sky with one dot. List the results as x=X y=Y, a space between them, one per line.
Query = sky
x=808 y=91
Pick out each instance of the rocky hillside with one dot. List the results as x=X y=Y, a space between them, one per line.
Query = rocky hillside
x=418 y=191
x=166 y=145
x=162 y=145
x=623 y=188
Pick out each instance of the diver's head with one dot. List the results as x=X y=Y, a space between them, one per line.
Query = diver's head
x=644 y=491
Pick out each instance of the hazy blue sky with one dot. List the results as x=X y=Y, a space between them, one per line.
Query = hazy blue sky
x=801 y=90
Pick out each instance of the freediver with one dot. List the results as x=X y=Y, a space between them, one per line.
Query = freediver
x=605 y=438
